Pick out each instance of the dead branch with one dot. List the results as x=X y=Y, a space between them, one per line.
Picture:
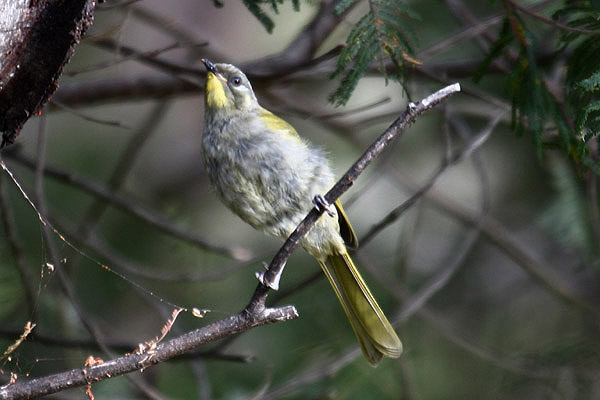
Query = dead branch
x=256 y=313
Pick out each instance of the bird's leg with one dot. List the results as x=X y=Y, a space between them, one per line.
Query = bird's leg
x=323 y=205
x=274 y=283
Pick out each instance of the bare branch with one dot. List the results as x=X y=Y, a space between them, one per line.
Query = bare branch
x=256 y=313
x=135 y=209
x=398 y=127
x=541 y=270
x=240 y=322
x=124 y=89
x=149 y=58
x=549 y=21
x=445 y=164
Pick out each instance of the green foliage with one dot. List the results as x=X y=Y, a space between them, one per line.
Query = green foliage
x=256 y=8
x=379 y=36
x=583 y=67
x=532 y=102
x=568 y=121
x=567 y=125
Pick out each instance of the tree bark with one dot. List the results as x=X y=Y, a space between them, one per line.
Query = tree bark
x=37 y=38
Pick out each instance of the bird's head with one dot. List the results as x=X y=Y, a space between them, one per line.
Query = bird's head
x=227 y=88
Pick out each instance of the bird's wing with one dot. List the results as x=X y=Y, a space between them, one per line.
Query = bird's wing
x=276 y=124
x=346 y=229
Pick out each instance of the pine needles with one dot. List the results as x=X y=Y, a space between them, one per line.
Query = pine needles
x=564 y=114
x=381 y=36
x=570 y=123
x=583 y=67
x=256 y=8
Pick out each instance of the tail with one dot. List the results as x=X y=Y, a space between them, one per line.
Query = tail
x=376 y=336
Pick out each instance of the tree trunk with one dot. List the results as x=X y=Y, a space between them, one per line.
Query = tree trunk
x=37 y=38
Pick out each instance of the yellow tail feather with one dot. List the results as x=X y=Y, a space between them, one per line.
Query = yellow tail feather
x=376 y=336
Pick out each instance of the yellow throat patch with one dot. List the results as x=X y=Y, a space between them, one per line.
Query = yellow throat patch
x=215 y=94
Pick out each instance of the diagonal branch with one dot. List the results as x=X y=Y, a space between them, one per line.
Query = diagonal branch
x=256 y=312
x=132 y=362
x=393 y=131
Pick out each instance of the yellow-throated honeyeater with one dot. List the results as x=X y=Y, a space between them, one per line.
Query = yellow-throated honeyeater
x=268 y=175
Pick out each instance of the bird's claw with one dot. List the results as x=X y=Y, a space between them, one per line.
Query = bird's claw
x=273 y=283
x=323 y=205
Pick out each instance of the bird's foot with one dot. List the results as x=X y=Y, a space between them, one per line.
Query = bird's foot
x=323 y=205
x=270 y=283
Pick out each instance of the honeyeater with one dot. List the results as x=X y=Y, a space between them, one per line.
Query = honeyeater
x=268 y=175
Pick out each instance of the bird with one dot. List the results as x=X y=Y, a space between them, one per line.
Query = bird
x=270 y=177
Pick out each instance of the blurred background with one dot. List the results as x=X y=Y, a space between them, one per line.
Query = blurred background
x=480 y=250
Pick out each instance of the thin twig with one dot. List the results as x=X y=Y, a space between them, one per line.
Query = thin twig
x=174 y=69
x=133 y=208
x=133 y=56
x=256 y=313
x=167 y=274
x=124 y=165
x=122 y=89
x=441 y=279
x=299 y=54
x=474 y=30
x=398 y=127
x=496 y=233
x=445 y=164
x=86 y=117
x=63 y=278
x=179 y=31
x=136 y=362
x=314 y=373
x=549 y=21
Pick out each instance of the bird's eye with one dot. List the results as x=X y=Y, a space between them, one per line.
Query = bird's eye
x=236 y=81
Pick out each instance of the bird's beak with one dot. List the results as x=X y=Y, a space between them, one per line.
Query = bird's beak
x=210 y=67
